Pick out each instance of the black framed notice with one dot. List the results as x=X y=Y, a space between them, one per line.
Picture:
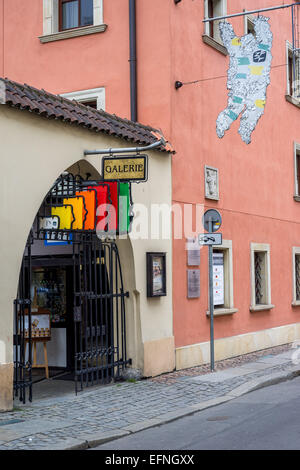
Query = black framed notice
x=156 y=275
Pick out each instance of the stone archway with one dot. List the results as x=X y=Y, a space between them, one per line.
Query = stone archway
x=85 y=170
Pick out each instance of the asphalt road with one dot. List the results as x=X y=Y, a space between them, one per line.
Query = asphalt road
x=266 y=419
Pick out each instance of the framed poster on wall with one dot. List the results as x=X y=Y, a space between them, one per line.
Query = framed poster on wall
x=156 y=275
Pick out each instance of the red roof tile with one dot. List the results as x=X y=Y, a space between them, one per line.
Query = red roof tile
x=52 y=106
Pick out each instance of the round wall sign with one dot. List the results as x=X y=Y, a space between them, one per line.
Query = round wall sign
x=213 y=216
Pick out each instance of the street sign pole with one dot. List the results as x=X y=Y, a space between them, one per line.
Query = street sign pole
x=211 y=301
x=212 y=222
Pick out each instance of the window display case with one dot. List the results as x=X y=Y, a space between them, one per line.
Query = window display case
x=48 y=291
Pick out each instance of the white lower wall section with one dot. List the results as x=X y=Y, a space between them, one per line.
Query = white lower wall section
x=56 y=349
x=197 y=354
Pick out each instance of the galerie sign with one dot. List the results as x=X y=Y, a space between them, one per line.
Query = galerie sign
x=127 y=168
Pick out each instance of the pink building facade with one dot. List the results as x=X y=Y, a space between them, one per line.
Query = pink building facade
x=256 y=189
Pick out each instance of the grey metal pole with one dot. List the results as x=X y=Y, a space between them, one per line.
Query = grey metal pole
x=211 y=303
x=125 y=150
x=206 y=20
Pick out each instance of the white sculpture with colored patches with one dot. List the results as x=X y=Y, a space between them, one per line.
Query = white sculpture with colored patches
x=248 y=76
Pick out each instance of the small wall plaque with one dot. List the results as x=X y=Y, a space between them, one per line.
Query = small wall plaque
x=211 y=183
x=193 y=252
x=193 y=280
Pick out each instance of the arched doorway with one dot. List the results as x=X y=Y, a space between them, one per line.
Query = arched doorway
x=71 y=293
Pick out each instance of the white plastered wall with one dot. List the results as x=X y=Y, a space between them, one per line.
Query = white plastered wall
x=34 y=151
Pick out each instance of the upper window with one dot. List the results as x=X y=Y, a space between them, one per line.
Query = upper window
x=63 y=19
x=249 y=25
x=214 y=8
x=75 y=13
x=292 y=72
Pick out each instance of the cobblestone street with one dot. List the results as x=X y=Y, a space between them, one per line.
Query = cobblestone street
x=126 y=407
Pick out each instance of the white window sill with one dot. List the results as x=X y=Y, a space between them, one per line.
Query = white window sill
x=296 y=198
x=296 y=303
x=212 y=198
x=260 y=308
x=223 y=311
x=73 y=33
x=215 y=44
x=292 y=100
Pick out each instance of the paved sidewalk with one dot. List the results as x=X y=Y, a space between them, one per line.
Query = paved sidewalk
x=108 y=412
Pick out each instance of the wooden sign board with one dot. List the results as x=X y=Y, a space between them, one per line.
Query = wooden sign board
x=128 y=168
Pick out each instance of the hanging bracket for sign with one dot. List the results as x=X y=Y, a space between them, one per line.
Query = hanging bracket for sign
x=250 y=12
x=127 y=168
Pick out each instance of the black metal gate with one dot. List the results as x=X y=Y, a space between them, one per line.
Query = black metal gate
x=99 y=312
x=98 y=306
x=22 y=330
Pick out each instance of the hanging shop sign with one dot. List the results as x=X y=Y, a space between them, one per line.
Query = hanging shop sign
x=127 y=168
x=248 y=76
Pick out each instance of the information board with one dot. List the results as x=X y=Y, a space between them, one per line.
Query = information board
x=218 y=278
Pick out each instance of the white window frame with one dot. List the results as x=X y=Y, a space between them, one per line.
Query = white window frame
x=248 y=19
x=216 y=41
x=228 y=308
x=296 y=252
x=262 y=248
x=221 y=11
x=84 y=96
x=296 y=188
x=51 y=22
x=290 y=93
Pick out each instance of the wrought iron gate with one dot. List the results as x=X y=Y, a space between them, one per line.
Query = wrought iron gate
x=98 y=293
x=22 y=330
x=99 y=312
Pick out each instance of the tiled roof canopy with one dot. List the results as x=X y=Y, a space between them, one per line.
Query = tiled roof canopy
x=52 y=106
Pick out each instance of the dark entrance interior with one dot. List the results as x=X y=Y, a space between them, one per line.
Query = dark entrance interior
x=78 y=286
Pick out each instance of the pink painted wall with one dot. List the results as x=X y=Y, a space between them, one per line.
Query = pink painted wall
x=256 y=181
x=74 y=64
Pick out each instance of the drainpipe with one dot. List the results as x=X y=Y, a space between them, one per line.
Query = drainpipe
x=132 y=60
x=133 y=75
